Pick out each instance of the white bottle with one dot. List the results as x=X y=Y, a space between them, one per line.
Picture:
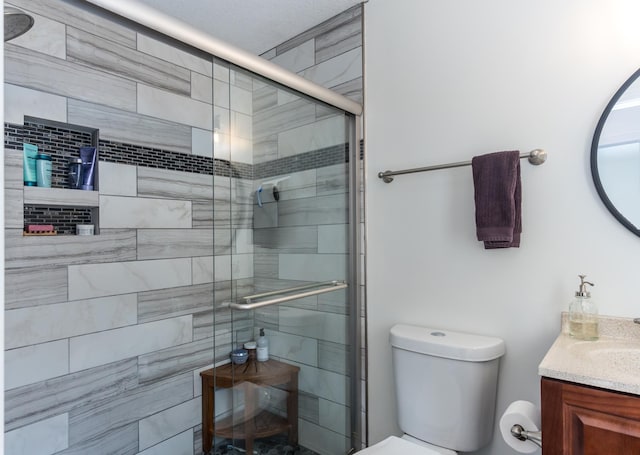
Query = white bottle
x=262 y=351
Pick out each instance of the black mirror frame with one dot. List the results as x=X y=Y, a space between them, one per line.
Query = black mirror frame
x=594 y=156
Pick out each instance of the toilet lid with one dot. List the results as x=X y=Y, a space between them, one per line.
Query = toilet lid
x=394 y=445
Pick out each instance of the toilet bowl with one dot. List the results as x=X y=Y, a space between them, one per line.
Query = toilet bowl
x=445 y=386
x=431 y=449
x=405 y=446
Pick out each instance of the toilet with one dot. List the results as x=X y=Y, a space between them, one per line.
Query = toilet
x=445 y=386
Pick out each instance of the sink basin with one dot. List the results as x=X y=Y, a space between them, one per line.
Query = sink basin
x=603 y=346
x=620 y=355
x=612 y=362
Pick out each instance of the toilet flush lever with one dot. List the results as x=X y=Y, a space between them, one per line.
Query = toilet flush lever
x=518 y=432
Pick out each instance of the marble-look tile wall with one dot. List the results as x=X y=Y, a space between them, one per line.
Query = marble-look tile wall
x=304 y=236
x=305 y=240
x=329 y=54
x=106 y=335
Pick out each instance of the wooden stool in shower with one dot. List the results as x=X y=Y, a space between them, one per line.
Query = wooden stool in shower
x=256 y=423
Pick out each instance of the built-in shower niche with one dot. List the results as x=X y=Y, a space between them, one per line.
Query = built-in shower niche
x=60 y=206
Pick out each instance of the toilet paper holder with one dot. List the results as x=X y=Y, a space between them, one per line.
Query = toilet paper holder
x=518 y=432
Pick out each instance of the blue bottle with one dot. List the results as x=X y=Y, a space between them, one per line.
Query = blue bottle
x=43 y=170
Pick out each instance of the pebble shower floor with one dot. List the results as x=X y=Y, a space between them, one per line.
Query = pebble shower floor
x=276 y=445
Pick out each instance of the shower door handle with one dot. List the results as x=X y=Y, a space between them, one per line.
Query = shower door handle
x=329 y=286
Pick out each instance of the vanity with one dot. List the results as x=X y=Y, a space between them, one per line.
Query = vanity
x=590 y=392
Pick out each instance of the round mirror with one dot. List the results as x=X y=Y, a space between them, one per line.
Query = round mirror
x=615 y=155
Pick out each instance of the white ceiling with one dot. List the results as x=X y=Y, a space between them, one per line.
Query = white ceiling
x=253 y=25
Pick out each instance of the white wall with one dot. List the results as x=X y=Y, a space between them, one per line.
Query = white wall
x=449 y=80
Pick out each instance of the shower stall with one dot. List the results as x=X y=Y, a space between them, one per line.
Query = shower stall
x=226 y=203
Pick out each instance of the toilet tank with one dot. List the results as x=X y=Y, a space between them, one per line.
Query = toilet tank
x=445 y=385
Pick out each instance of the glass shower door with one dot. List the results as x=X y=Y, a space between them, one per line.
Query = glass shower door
x=290 y=267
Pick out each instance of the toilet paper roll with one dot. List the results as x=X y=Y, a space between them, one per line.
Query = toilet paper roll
x=527 y=415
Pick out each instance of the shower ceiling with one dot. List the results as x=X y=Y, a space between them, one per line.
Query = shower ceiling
x=252 y=25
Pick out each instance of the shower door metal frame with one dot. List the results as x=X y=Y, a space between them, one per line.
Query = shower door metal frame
x=354 y=295
x=182 y=32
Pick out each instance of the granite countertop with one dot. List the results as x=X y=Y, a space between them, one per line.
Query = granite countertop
x=612 y=362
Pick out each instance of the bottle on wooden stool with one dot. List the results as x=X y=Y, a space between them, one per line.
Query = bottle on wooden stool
x=262 y=350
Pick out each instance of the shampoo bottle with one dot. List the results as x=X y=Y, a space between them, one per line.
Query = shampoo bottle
x=30 y=152
x=43 y=170
x=262 y=351
x=583 y=314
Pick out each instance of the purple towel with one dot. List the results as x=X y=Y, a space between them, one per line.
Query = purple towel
x=498 y=196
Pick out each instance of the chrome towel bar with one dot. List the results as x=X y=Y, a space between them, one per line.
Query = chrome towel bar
x=536 y=157
x=327 y=286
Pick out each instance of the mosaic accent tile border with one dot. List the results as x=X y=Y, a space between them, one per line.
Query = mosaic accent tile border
x=63 y=143
x=310 y=160
x=117 y=152
x=314 y=159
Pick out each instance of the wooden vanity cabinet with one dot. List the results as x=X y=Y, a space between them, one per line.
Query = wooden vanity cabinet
x=584 y=420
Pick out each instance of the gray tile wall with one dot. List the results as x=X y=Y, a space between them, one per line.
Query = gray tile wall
x=332 y=48
x=106 y=335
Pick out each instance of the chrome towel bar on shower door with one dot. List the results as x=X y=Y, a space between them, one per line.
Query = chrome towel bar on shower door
x=327 y=286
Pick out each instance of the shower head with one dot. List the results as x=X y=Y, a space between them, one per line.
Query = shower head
x=16 y=22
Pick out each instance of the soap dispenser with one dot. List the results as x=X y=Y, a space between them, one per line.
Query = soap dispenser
x=583 y=314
